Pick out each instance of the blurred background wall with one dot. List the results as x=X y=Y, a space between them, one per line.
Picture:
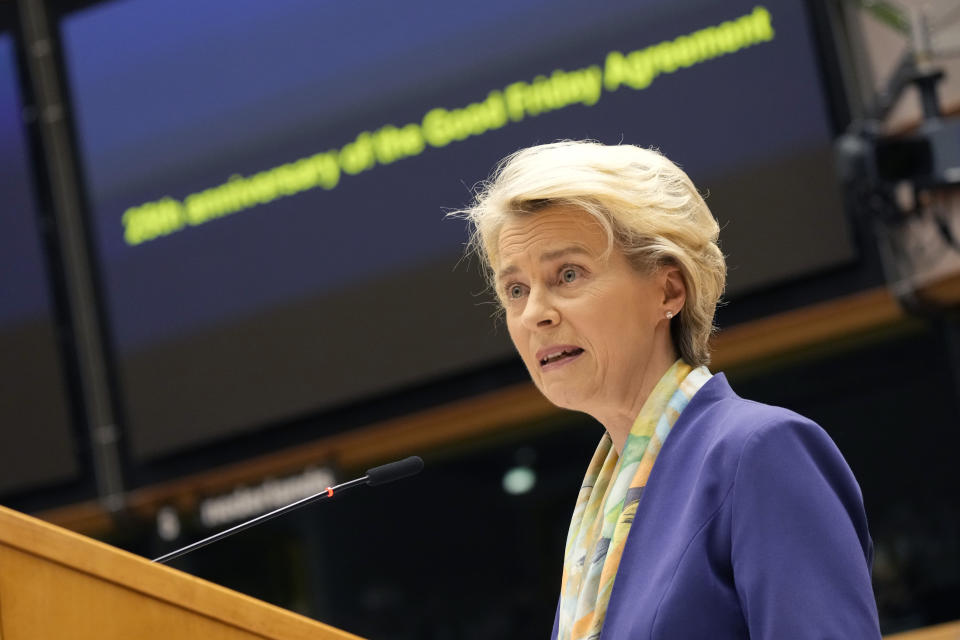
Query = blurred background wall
x=227 y=278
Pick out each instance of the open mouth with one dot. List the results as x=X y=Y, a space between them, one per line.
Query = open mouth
x=560 y=355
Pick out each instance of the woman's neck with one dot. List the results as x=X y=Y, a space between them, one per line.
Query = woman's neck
x=618 y=416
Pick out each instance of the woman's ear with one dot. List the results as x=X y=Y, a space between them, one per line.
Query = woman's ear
x=674 y=288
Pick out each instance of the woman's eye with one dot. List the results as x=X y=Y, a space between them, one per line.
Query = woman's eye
x=514 y=291
x=569 y=274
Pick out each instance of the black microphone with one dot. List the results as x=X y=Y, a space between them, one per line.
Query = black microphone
x=394 y=471
x=376 y=476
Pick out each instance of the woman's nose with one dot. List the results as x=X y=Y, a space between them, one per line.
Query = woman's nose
x=540 y=310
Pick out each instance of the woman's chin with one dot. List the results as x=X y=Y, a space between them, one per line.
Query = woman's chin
x=565 y=397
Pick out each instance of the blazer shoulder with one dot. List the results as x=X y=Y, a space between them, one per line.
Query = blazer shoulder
x=722 y=426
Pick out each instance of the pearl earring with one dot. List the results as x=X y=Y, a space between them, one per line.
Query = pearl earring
x=669 y=314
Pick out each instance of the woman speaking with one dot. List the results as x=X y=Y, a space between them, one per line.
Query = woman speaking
x=701 y=515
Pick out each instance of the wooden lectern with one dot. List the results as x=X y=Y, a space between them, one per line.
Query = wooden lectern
x=57 y=584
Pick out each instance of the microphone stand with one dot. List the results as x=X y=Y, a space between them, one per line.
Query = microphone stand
x=378 y=475
x=243 y=526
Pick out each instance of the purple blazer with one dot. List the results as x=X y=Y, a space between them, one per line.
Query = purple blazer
x=751 y=526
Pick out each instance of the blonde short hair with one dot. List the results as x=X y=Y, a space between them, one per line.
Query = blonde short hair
x=647 y=206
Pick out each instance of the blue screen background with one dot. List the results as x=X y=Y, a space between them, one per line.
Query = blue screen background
x=242 y=87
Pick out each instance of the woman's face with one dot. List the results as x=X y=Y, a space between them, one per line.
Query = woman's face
x=591 y=331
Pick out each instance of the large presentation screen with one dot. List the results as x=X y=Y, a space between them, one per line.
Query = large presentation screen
x=36 y=443
x=268 y=180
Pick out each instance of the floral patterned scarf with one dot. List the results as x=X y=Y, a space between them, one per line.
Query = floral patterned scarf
x=608 y=501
